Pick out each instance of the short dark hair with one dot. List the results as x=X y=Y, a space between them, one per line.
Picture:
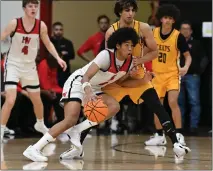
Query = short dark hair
x=57 y=24
x=120 y=5
x=186 y=22
x=168 y=10
x=122 y=35
x=25 y=2
x=103 y=16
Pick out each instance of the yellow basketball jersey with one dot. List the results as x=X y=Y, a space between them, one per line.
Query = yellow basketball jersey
x=168 y=53
x=138 y=49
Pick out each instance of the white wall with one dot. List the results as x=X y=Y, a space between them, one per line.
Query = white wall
x=10 y=10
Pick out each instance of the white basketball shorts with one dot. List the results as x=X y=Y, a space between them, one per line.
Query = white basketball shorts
x=25 y=74
x=72 y=90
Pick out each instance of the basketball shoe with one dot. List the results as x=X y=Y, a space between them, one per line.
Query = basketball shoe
x=180 y=151
x=34 y=154
x=161 y=140
x=73 y=153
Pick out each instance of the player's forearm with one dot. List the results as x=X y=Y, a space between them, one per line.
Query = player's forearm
x=188 y=60
x=50 y=47
x=86 y=85
x=149 y=56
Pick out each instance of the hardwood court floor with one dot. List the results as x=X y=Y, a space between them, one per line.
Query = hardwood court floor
x=128 y=153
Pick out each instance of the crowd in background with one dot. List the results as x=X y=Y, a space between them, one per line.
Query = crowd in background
x=133 y=118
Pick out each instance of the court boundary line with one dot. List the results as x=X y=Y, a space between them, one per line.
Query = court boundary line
x=143 y=154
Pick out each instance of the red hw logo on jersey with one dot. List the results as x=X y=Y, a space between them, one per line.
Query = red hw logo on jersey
x=26 y=41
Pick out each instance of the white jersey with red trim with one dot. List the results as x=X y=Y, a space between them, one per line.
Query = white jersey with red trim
x=24 y=45
x=111 y=69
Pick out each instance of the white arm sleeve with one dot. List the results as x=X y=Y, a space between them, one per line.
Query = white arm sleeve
x=102 y=60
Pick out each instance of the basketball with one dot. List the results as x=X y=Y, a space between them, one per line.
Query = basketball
x=96 y=111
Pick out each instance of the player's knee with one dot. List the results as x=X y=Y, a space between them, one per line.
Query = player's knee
x=10 y=101
x=173 y=103
x=115 y=108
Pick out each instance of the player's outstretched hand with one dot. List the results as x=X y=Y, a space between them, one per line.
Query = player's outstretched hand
x=62 y=63
x=147 y=77
x=89 y=97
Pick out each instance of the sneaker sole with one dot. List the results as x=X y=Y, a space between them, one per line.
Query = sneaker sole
x=75 y=157
x=26 y=154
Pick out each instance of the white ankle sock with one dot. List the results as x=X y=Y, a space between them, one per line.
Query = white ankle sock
x=40 y=121
x=43 y=141
x=85 y=125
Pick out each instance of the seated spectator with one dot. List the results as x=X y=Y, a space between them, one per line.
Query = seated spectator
x=47 y=71
x=65 y=50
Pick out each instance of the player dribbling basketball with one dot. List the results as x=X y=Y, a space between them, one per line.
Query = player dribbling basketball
x=109 y=66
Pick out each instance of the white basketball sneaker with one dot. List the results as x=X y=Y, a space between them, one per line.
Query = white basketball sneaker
x=180 y=150
x=156 y=140
x=34 y=154
x=49 y=149
x=73 y=153
x=180 y=138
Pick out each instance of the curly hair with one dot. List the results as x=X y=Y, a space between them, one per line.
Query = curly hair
x=122 y=35
x=120 y=5
x=168 y=10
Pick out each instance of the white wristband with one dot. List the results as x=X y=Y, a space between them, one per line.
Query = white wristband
x=85 y=84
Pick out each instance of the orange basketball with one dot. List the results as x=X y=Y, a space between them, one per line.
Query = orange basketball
x=96 y=111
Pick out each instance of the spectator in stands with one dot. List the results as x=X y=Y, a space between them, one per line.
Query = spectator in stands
x=190 y=83
x=152 y=20
x=65 y=50
x=94 y=42
x=47 y=71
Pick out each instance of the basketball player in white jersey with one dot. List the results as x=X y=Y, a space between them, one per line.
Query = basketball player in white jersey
x=20 y=64
x=109 y=66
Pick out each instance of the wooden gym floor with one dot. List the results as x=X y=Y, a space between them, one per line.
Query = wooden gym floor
x=127 y=153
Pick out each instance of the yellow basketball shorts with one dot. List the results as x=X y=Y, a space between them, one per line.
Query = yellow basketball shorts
x=164 y=82
x=119 y=92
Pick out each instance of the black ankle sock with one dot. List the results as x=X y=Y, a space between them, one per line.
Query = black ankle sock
x=160 y=132
x=172 y=136
x=170 y=131
x=179 y=130
x=151 y=99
